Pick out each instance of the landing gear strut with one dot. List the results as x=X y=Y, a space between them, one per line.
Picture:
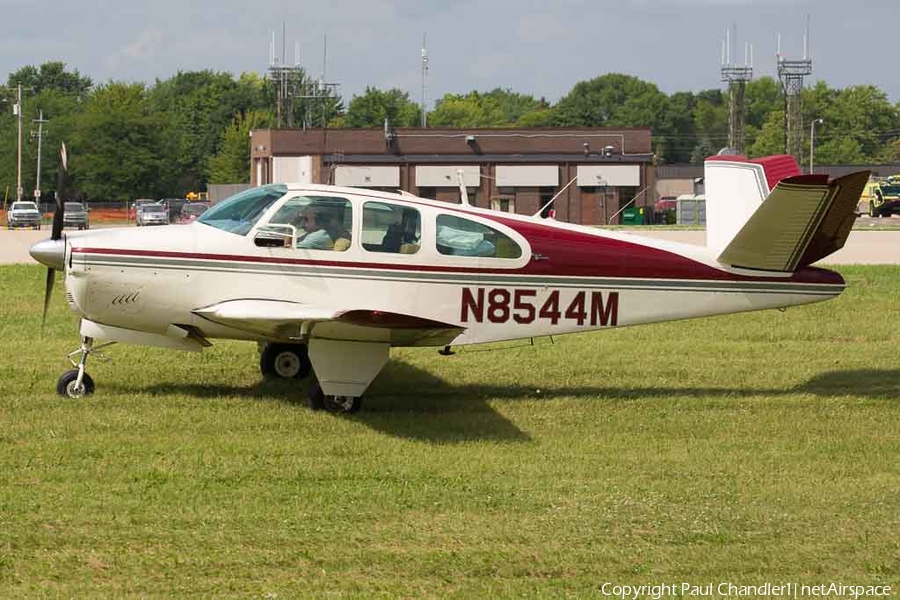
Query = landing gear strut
x=76 y=383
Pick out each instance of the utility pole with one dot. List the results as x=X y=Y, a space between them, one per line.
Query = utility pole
x=19 y=161
x=812 y=141
x=37 y=186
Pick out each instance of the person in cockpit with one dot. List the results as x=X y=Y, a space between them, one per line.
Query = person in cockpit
x=313 y=221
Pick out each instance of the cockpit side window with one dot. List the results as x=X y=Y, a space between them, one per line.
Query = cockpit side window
x=461 y=237
x=391 y=228
x=311 y=222
x=239 y=213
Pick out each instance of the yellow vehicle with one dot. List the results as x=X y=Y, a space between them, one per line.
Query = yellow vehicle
x=885 y=198
x=194 y=196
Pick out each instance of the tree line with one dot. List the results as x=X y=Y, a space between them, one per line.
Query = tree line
x=129 y=140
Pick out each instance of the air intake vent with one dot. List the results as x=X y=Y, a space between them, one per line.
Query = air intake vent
x=71 y=300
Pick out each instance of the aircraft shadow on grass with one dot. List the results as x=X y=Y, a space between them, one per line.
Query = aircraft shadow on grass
x=408 y=402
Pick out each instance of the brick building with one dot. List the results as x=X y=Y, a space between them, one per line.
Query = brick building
x=515 y=170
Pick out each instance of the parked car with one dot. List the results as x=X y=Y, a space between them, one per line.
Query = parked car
x=136 y=204
x=75 y=215
x=192 y=210
x=23 y=214
x=151 y=214
x=173 y=205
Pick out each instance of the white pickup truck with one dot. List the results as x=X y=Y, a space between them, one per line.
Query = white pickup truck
x=23 y=214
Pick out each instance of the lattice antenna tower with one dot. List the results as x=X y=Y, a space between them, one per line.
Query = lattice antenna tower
x=791 y=74
x=293 y=85
x=737 y=77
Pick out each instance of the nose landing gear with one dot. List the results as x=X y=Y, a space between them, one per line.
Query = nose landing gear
x=76 y=383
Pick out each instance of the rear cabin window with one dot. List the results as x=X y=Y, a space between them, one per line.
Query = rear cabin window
x=461 y=237
x=391 y=228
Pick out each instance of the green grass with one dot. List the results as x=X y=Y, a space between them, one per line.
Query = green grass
x=751 y=448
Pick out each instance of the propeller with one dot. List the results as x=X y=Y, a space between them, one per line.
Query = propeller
x=57 y=227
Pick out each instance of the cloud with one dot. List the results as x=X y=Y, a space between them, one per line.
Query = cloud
x=145 y=46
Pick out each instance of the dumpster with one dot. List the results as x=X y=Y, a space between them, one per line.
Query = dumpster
x=632 y=216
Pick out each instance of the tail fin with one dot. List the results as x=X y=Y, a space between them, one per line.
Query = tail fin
x=801 y=220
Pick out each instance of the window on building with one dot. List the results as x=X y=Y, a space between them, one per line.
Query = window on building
x=391 y=228
x=503 y=204
x=546 y=195
x=461 y=237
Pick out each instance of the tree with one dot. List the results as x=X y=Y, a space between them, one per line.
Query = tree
x=770 y=138
x=232 y=163
x=374 y=106
x=514 y=106
x=761 y=97
x=863 y=113
x=116 y=147
x=710 y=124
x=612 y=100
x=472 y=110
x=541 y=117
x=59 y=94
x=50 y=76
x=675 y=138
x=198 y=106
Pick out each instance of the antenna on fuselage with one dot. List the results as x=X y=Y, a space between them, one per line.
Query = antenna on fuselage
x=463 y=192
x=550 y=203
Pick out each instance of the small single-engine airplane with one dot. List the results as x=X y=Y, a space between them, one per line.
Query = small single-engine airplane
x=328 y=278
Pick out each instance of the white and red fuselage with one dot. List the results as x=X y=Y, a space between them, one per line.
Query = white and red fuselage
x=567 y=279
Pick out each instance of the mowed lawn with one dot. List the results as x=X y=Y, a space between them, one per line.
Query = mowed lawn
x=752 y=448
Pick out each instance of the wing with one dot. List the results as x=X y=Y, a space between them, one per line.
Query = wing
x=285 y=320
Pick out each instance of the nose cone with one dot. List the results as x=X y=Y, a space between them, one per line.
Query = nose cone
x=51 y=253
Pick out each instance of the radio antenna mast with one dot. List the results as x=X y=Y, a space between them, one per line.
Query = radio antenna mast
x=424 y=81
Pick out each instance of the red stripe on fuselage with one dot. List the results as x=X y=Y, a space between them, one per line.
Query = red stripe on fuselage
x=570 y=254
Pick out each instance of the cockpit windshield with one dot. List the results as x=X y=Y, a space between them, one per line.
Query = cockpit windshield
x=239 y=213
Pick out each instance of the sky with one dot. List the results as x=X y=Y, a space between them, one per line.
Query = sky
x=536 y=47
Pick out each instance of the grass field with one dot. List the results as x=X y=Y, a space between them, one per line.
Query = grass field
x=747 y=449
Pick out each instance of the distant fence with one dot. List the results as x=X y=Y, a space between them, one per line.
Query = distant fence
x=220 y=191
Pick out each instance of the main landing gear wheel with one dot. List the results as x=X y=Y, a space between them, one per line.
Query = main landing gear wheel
x=287 y=361
x=68 y=385
x=319 y=400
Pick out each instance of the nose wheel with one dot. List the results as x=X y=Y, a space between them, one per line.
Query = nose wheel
x=76 y=383
x=69 y=386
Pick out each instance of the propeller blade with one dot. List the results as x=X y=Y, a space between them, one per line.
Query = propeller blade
x=48 y=291
x=56 y=229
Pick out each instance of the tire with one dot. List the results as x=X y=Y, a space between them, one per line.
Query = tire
x=65 y=386
x=318 y=400
x=285 y=361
